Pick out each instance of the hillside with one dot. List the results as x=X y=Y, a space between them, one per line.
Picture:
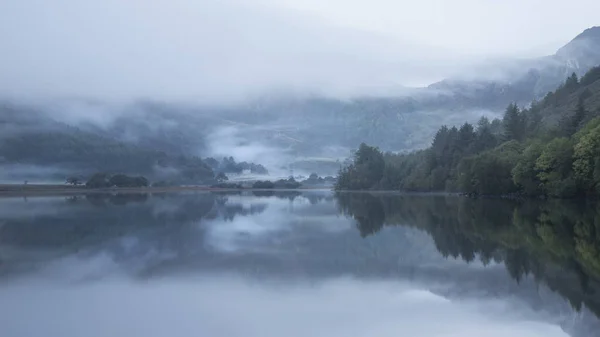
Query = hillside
x=285 y=132
x=551 y=149
x=326 y=127
x=30 y=141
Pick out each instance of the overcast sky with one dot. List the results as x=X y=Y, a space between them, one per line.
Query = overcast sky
x=221 y=50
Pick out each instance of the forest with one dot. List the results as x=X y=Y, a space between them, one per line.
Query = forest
x=549 y=149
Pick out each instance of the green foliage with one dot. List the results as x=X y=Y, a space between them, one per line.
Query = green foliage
x=524 y=174
x=534 y=159
x=122 y=180
x=570 y=124
x=366 y=170
x=103 y=180
x=513 y=123
x=586 y=163
x=98 y=180
x=86 y=152
x=554 y=168
x=486 y=174
x=263 y=184
x=590 y=77
x=289 y=183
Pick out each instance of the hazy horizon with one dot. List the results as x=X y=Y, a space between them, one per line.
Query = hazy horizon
x=222 y=51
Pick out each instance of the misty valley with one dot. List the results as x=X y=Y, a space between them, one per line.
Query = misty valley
x=299 y=168
x=278 y=136
x=297 y=263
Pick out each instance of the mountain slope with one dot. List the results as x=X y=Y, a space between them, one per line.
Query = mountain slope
x=279 y=131
x=31 y=139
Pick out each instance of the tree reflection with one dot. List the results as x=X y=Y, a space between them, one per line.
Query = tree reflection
x=554 y=242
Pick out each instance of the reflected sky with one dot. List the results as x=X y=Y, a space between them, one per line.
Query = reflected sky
x=247 y=265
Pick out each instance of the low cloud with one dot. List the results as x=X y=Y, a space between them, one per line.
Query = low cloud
x=209 y=51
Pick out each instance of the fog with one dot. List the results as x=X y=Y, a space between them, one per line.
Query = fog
x=222 y=51
x=188 y=50
x=277 y=83
x=247 y=145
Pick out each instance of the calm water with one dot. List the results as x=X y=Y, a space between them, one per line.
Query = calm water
x=292 y=264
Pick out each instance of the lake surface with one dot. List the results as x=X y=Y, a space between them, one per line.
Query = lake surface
x=293 y=264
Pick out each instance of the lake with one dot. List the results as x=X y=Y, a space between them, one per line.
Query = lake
x=314 y=263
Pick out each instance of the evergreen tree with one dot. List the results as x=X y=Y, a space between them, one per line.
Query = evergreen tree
x=513 y=123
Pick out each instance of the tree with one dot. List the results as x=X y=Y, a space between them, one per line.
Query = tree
x=554 y=168
x=586 y=164
x=98 y=180
x=513 y=123
x=570 y=124
x=484 y=137
x=486 y=174
x=221 y=177
x=525 y=174
x=263 y=185
x=122 y=180
x=466 y=137
x=75 y=181
x=533 y=120
x=572 y=83
x=369 y=164
x=579 y=115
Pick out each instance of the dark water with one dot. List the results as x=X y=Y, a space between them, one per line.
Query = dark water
x=297 y=264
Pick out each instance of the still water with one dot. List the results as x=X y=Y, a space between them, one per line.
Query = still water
x=297 y=264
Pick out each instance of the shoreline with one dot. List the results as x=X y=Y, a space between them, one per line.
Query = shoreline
x=11 y=190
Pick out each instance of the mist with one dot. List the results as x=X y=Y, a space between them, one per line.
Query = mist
x=282 y=84
x=203 y=51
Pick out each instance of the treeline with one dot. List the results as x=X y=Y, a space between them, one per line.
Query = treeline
x=229 y=165
x=526 y=152
x=87 y=152
x=290 y=183
x=103 y=180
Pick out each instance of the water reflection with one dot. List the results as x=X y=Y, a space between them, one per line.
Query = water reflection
x=294 y=264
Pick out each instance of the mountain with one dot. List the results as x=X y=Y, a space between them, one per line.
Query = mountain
x=315 y=126
x=520 y=81
x=33 y=145
x=306 y=133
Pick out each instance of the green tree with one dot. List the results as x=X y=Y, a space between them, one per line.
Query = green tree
x=513 y=123
x=570 y=124
x=486 y=174
x=572 y=83
x=586 y=164
x=369 y=164
x=484 y=136
x=554 y=168
x=366 y=170
x=98 y=180
x=525 y=174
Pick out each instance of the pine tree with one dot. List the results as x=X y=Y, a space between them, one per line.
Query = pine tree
x=513 y=123
x=579 y=116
